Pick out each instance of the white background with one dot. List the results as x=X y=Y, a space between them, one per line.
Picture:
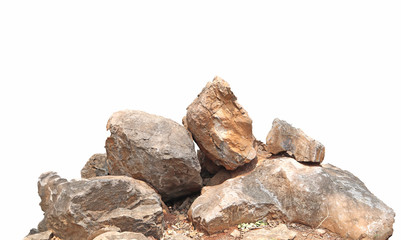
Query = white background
x=330 y=68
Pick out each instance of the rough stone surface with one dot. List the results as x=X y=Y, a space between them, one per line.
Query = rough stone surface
x=96 y=166
x=220 y=126
x=121 y=236
x=154 y=149
x=39 y=236
x=285 y=138
x=77 y=209
x=282 y=188
x=281 y=232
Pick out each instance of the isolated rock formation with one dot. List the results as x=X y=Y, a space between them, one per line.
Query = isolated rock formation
x=112 y=235
x=78 y=209
x=246 y=182
x=154 y=149
x=96 y=166
x=282 y=188
x=285 y=138
x=220 y=126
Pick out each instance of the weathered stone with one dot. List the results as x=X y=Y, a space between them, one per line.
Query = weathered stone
x=282 y=188
x=96 y=166
x=281 y=232
x=77 y=209
x=113 y=235
x=220 y=126
x=47 y=188
x=39 y=236
x=285 y=138
x=154 y=149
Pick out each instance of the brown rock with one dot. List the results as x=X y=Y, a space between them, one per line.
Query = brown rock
x=282 y=188
x=78 y=209
x=154 y=149
x=113 y=235
x=285 y=138
x=96 y=166
x=220 y=126
x=281 y=232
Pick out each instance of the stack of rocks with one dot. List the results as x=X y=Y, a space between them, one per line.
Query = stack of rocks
x=151 y=160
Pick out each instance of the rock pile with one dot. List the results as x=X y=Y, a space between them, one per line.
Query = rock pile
x=151 y=161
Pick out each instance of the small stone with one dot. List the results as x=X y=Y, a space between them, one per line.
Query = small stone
x=235 y=233
x=320 y=231
x=39 y=236
x=285 y=138
x=95 y=166
x=113 y=235
x=281 y=232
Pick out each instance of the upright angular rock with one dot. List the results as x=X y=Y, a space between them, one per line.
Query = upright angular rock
x=78 y=209
x=154 y=149
x=282 y=188
x=220 y=126
x=96 y=166
x=285 y=138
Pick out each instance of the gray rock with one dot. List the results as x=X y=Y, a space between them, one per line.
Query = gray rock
x=154 y=149
x=78 y=209
x=285 y=138
x=96 y=166
x=282 y=188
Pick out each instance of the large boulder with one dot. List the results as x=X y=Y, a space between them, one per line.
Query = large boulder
x=154 y=149
x=285 y=138
x=220 y=126
x=96 y=166
x=79 y=209
x=282 y=188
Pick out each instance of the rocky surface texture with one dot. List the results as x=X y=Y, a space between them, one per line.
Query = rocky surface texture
x=80 y=209
x=285 y=138
x=96 y=166
x=281 y=188
x=151 y=184
x=114 y=235
x=154 y=149
x=220 y=126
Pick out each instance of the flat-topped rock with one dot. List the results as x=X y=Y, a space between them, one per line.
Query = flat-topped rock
x=81 y=208
x=285 y=138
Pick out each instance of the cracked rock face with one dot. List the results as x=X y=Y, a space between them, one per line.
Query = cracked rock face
x=285 y=138
x=282 y=188
x=82 y=208
x=154 y=149
x=220 y=126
